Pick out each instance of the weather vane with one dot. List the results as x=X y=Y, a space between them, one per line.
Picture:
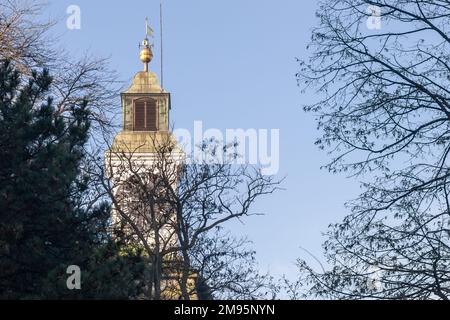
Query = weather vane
x=148 y=33
x=148 y=29
x=146 y=54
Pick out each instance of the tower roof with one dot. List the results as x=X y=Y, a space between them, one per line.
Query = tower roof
x=145 y=82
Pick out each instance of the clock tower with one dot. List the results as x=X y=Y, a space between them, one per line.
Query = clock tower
x=140 y=151
x=142 y=164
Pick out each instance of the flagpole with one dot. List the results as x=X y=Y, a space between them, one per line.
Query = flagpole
x=161 y=37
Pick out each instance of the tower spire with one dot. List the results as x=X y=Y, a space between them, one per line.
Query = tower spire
x=146 y=54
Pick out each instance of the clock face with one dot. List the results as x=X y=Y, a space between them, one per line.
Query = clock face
x=145 y=42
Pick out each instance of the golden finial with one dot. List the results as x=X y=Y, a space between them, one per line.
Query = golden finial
x=146 y=54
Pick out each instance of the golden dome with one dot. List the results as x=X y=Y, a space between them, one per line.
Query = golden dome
x=146 y=54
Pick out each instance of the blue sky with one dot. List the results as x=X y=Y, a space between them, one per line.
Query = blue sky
x=232 y=64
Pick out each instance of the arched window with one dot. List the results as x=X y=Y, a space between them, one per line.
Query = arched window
x=145 y=116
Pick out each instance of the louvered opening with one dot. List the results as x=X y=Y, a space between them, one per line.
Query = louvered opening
x=151 y=115
x=145 y=116
x=139 y=116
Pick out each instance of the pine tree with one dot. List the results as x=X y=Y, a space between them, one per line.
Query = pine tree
x=44 y=226
x=41 y=152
